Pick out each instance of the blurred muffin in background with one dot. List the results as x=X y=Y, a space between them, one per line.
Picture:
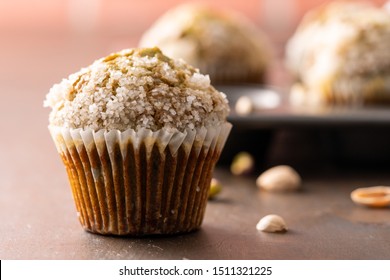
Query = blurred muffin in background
x=386 y=6
x=223 y=44
x=340 y=55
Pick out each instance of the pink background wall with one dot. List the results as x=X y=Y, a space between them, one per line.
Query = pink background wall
x=65 y=35
x=118 y=18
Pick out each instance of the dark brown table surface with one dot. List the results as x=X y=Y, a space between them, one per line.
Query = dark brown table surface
x=38 y=221
x=38 y=218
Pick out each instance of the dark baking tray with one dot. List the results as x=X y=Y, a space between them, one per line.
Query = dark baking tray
x=331 y=134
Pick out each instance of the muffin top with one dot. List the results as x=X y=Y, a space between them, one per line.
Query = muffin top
x=207 y=37
x=348 y=38
x=340 y=55
x=386 y=6
x=133 y=89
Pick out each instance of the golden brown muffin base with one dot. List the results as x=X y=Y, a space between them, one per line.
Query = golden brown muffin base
x=134 y=195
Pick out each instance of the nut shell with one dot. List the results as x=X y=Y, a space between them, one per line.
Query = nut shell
x=378 y=196
x=280 y=178
x=271 y=223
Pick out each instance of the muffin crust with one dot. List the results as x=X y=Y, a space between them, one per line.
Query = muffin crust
x=136 y=88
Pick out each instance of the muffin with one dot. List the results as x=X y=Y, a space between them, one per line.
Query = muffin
x=223 y=44
x=386 y=6
x=139 y=134
x=340 y=55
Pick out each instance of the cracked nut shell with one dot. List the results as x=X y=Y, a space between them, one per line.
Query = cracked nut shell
x=377 y=196
x=279 y=179
x=272 y=223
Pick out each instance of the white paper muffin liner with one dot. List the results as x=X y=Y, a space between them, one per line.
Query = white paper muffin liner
x=140 y=182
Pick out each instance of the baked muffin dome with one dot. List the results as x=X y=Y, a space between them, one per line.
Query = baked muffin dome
x=340 y=55
x=386 y=6
x=224 y=44
x=136 y=88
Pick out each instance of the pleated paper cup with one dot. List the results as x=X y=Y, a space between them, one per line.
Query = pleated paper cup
x=140 y=182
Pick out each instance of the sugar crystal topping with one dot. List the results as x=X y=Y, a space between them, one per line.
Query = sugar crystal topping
x=136 y=88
